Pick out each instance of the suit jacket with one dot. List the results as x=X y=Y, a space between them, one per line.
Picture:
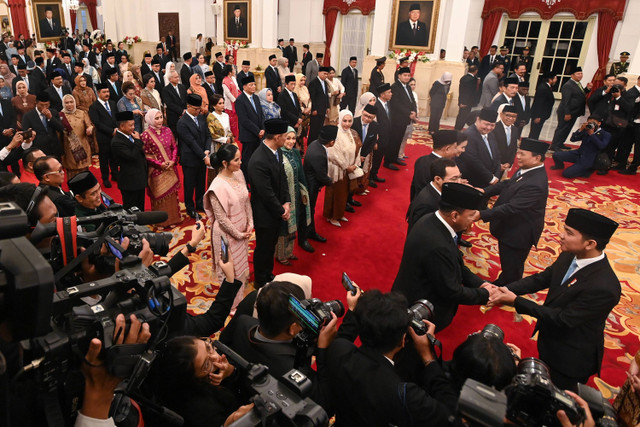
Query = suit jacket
x=52 y=64
x=46 y=139
x=185 y=74
x=591 y=145
x=250 y=120
x=517 y=218
x=269 y=189
x=426 y=201
x=401 y=105
x=573 y=99
x=49 y=29
x=241 y=75
x=273 y=80
x=159 y=82
x=26 y=59
x=237 y=30
x=572 y=319
x=476 y=163
x=350 y=82
x=194 y=140
x=405 y=36
x=113 y=94
x=524 y=112
x=312 y=71
x=56 y=101
x=432 y=268
x=37 y=81
x=171 y=41
x=486 y=65
x=145 y=69
x=13 y=68
x=421 y=174
x=210 y=94
x=319 y=98
x=162 y=59
x=370 y=139
x=131 y=159
x=375 y=79
x=501 y=99
x=542 y=102
x=7 y=121
x=218 y=71
x=291 y=53
x=306 y=58
x=105 y=68
x=64 y=201
x=104 y=122
x=316 y=165
x=631 y=95
x=468 y=90
x=91 y=56
x=384 y=122
x=507 y=149
x=490 y=87
x=289 y=108
x=175 y=104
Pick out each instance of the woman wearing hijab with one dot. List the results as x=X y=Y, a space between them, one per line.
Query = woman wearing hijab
x=23 y=102
x=297 y=186
x=365 y=98
x=231 y=92
x=343 y=163
x=438 y=94
x=75 y=137
x=305 y=104
x=5 y=92
x=195 y=82
x=283 y=69
x=169 y=66
x=7 y=74
x=91 y=71
x=162 y=154
x=83 y=95
x=270 y=109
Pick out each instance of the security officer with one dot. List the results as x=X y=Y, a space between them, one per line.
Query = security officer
x=525 y=59
x=622 y=66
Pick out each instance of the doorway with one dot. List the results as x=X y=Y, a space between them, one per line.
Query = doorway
x=170 y=22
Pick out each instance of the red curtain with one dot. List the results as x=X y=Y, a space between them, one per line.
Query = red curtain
x=19 y=18
x=606 y=26
x=329 y=25
x=581 y=9
x=93 y=15
x=489 y=28
x=72 y=14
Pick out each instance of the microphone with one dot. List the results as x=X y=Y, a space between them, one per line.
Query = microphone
x=153 y=217
x=140 y=218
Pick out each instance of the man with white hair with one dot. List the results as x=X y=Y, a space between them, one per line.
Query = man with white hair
x=174 y=96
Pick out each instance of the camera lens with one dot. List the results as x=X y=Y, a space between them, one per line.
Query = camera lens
x=493 y=331
x=158 y=242
x=336 y=307
x=422 y=310
x=533 y=366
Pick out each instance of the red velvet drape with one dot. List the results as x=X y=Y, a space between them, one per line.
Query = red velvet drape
x=19 y=18
x=489 y=28
x=606 y=26
x=72 y=15
x=329 y=25
x=93 y=15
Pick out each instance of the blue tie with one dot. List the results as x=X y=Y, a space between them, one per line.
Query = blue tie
x=277 y=157
x=486 y=142
x=106 y=105
x=570 y=271
x=455 y=240
x=131 y=138
x=364 y=132
x=518 y=174
x=253 y=104
x=44 y=123
x=508 y=131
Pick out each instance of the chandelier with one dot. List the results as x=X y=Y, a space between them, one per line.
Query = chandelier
x=550 y=2
x=74 y=5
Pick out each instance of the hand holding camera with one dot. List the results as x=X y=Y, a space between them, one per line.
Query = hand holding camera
x=422 y=343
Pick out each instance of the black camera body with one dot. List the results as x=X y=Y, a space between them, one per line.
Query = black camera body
x=313 y=314
x=615 y=89
x=590 y=126
x=419 y=311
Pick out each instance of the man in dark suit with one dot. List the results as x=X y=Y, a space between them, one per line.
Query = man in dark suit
x=49 y=26
x=280 y=46
x=445 y=144
x=24 y=58
x=174 y=95
x=583 y=289
x=364 y=383
x=413 y=32
x=432 y=266
x=487 y=62
x=349 y=79
x=523 y=105
x=571 y=107
x=250 y=121
x=291 y=53
x=13 y=63
x=319 y=95
x=158 y=75
x=50 y=173
x=469 y=96
x=316 y=165
x=289 y=103
x=171 y=46
x=102 y=114
x=633 y=139
x=272 y=77
x=428 y=199
x=517 y=218
x=108 y=66
x=128 y=150
x=509 y=92
x=87 y=53
x=480 y=163
x=10 y=146
x=145 y=68
x=195 y=145
x=269 y=197
x=403 y=111
x=377 y=76
x=52 y=62
x=237 y=24
x=367 y=129
x=306 y=58
x=218 y=71
x=383 y=118
x=160 y=56
x=506 y=135
x=37 y=78
x=185 y=71
x=542 y=104
x=57 y=91
x=114 y=83
x=46 y=124
x=209 y=85
x=244 y=72
x=593 y=141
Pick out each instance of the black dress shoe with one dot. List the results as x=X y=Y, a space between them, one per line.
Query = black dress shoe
x=355 y=203
x=391 y=166
x=400 y=162
x=556 y=167
x=191 y=213
x=629 y=171
x=200 y=208
x=602 y=172
x=372 y=184
x=464 y=243
x=307 y=246
x=350 y=209
x=317 y=238
x=378 y=179
x=107 y=184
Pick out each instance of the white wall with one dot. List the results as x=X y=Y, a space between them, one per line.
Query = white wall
x=300 y=19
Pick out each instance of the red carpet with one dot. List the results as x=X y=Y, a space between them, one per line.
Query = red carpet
x=369 y=248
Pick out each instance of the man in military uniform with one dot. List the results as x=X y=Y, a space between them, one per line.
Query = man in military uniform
x=525 y=59
x=622 y=66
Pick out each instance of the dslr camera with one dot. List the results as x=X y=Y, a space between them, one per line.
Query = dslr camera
x=419 y=311
x=313 y=314
x=615 y=89
x=590 y=126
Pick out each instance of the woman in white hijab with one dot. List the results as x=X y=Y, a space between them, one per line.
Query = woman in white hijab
x=169 y=67
x=438 y=94
x=88 y=69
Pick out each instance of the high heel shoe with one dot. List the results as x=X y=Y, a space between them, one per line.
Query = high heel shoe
x=344 y=219
x=334 y=222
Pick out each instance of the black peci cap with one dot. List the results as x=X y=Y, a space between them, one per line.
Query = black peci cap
x=591 y=223
x=461 y=196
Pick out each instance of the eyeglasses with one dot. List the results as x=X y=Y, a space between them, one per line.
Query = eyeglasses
x=207 y=366
x=60 y=171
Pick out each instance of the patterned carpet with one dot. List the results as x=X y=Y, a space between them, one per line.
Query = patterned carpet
x=370 y=246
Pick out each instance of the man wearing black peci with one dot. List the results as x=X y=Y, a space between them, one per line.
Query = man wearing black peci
x=128 y=150
x=383 y=118
x=102 y=114
x=250 y=121
x=289 y=103
x=469 y=95
x=542 y=104
x=349 y=79
x=174 y=95
x=377 y=77
x=319 y=94
x=185 y=71
x=244 y=72
x=403 y=111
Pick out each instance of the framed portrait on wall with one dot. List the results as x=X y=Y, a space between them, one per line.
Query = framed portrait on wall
x=49 y=19
x=414 y=24
x=237 y=20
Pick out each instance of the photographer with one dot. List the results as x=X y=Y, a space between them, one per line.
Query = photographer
x=594 y=140
x=13 y=151
x=365 y=388
x=87 y=192
x=31 y=199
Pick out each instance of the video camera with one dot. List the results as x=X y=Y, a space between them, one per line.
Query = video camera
x=313 y=314
x=277 y=403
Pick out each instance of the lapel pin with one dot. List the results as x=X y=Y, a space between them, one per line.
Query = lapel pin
x=573 y=282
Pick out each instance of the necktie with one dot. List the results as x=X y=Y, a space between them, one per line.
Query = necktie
x=518 y=174
x=354 y=72
x=455 y=240
x=212 y=88
x=131 y=138
x=508 y=132
x=486 y=142
x=386 y=108
x=277 y=157
x=511 y=101
x=364 y=131
x=414 y=29
x=195 y=119
x=324 y=89
x=106 y=105
x=406 y=89
x=292 y=98
x=253 y=104
x=44 y=123
x=570 y=271
x=115 y=88
x=26 y=80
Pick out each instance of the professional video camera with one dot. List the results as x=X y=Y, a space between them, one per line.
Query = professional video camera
x=277 y=403
x=313 y=314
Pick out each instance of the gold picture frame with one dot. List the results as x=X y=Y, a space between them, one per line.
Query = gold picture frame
x=242 y=30
x=45 y=32
x=422 y=38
